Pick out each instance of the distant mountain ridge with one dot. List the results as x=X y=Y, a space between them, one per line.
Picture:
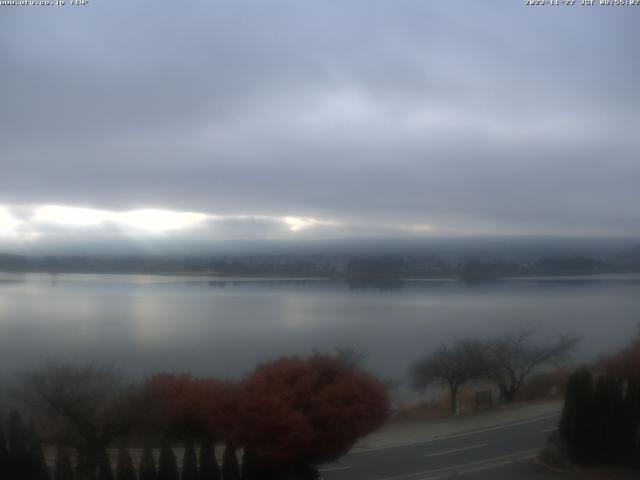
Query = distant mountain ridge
x=332 y=265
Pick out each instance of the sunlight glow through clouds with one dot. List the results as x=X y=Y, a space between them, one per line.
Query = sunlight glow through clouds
x=148 y=220
x=152 y=220
x=59 y=222
x=140 y=221
x=296 y=224
x=72 y=216
x=8 y=223
x=421 y=228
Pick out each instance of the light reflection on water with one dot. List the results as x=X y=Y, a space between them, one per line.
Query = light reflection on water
x=223 y=327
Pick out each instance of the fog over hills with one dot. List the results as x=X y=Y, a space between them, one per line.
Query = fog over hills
x=353 y=258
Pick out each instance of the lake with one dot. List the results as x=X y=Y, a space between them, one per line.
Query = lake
x=223 y=327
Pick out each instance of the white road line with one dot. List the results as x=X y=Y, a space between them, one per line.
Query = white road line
x=456 y=450
x=510 y=457
x=484 y=467
x=439 y=477
x=527 y=457
x=547 y=430
x=334 y=469
x=454 y=435
x=494 y=465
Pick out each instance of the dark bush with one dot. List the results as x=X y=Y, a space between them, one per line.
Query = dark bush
x=230 y=468
x=125 y=466
x=37 y=462
x=189 y=462
x=63 y=469
x=209 y=469
x=167 y=465
x=104 y=467
x=147 y=465
x=576 y=425
x=19 y=460
x=4 y=452
x=601 y=424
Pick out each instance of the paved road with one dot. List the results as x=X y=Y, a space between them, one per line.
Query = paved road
x=496 y=453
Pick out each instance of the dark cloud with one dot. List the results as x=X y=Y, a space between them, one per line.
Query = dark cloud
x=471 y=117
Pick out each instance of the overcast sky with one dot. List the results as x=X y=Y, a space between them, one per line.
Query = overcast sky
x=149 y=121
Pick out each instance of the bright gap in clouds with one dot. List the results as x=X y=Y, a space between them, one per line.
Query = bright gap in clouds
x=296 y=224
x=35 y=220
x=50 y=224
x=160 y=220
x=71 y=216
x=8 y=222
x=147 y=220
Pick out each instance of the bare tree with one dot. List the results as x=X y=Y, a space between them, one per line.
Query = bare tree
x=86 y=407
x=512 y=358
x=454 y=365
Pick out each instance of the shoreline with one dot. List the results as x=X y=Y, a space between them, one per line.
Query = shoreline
x=362 y=279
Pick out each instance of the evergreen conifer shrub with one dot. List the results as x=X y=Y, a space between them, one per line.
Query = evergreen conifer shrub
x=105 y=471
x=230 y=467
x=209 y=469
x=189 y=461
x=63 y=469
x=576 y=424
x=4 y=452
x=148 y=465
x=167 y=465
x=600 y=423
x=37 y=462
x=19 y=460
x=125 y=470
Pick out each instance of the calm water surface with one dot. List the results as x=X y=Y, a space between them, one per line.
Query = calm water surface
x=146 y=324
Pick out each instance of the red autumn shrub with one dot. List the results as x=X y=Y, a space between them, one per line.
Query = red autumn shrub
x=308 y=410
x=626 y=363
x=189 y=405
x=219 y=408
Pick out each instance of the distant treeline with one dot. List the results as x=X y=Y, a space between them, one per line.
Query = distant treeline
x=353 y=267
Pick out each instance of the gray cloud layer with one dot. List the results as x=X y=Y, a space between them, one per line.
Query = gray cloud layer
x=470 y=116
